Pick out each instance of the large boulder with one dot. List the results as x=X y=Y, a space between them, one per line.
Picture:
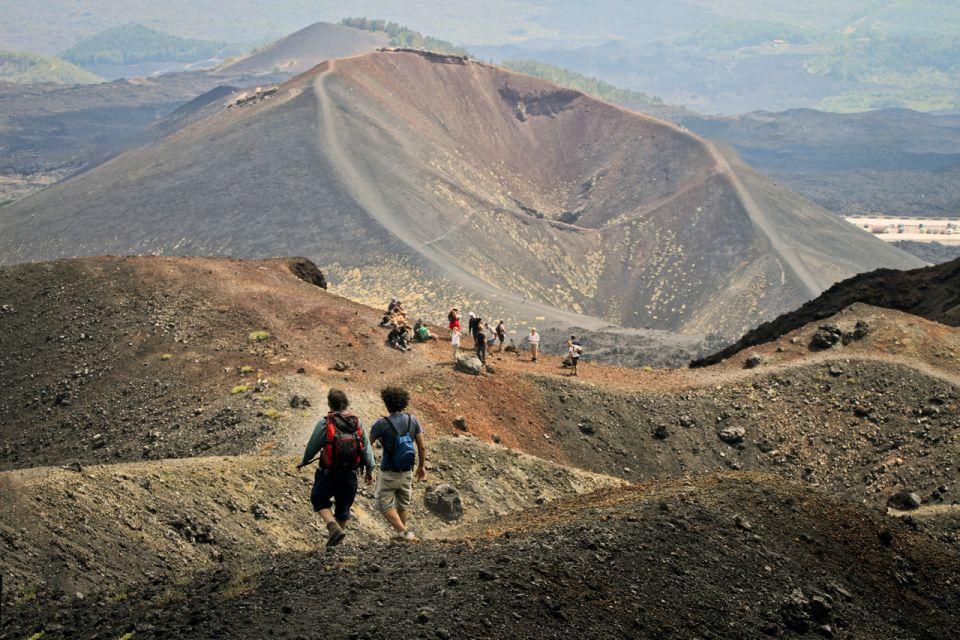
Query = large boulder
x=444 y=501
x=469 y=364
x=826 y=336
x=904 y=500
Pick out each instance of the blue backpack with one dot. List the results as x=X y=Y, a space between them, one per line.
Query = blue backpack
x=402 y=456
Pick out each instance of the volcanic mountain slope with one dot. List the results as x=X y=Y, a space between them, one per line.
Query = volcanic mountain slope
x=152 y=374
x=306 y=48
x=721 y=557
x=445 y=180
x=930 y=292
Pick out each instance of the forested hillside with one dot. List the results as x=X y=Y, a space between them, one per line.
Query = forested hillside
x=401 y=36
x=134 y=43
x=23 y=67
x=589 y=85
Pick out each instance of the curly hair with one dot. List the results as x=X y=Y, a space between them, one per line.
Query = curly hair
x=337 y=400
x=395 y=399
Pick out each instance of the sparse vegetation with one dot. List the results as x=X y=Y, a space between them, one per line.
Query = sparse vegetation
x=133 y=43
x=242 y=581
x=245 y=369
x=119 y=595
x=240 y=388
x=587 y=84
x=25 y=594
x=259 y=336
x=401 y=36
x=271 y=412
x=167 y=356
x=22 y=67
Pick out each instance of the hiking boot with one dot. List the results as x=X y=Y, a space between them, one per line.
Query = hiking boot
x=335 y=534
x=406 y=536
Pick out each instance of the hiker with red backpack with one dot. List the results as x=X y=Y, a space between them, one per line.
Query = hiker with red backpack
x=342 y=447
x=399 y=433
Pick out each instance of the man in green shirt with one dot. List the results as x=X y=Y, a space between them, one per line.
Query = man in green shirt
x=343 y=448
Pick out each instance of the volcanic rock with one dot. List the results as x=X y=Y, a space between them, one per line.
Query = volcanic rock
x=469 y=364
x=444 y=501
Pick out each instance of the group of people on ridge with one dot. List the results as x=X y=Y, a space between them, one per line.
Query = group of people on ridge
x=342 y=447
x=401 y=334
x=485 y=335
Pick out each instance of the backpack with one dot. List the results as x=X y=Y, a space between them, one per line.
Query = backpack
x=402 y=456
x=343 y=446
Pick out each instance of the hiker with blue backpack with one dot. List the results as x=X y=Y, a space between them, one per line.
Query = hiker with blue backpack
x=342 y=448
x=401 y=436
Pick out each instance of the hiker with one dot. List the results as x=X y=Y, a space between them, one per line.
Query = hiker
x=398 y=433
x=454 y=318
x=501 y=332
x=472 y=324
x=567 y=359
x=480 y=341
x=343 y=447
x=534 y=340
x=455 y=343
x=397 y=339
x=391 y=306
x=421 y=333
x=574 y=351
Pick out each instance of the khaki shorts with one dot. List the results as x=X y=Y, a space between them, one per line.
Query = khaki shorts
x=394 y=489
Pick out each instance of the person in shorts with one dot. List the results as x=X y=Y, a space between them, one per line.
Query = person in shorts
x=336 y=484
x=534 y=340
x=398 y=433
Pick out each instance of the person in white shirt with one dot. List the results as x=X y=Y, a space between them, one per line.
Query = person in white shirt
x=455 y=342
x=534 y=340
x=573 y=353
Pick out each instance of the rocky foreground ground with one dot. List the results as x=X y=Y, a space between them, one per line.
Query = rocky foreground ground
x=805 y=486
x=724 y=556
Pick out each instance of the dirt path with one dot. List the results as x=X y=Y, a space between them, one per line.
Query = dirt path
x=369 y=198
x=759 y=218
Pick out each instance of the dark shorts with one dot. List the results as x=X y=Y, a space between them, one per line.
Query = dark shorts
x=339 y=488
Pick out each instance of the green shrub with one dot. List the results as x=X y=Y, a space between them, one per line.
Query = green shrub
x=259 y=336
x=240 y=388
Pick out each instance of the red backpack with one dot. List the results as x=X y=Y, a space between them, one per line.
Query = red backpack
x=343 y=447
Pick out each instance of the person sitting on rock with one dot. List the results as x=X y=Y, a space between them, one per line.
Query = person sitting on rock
x=343 y=448
x=399 y=433
x=421 y=332
x=397 y=339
